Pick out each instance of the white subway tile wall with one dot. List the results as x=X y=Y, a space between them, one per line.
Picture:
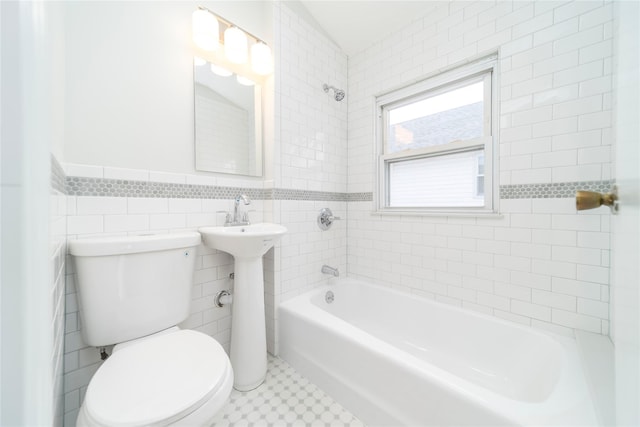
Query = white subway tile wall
x=58 y=247
x=90 y=216
x=311 y=130
x=540 y=263
x=311 y=126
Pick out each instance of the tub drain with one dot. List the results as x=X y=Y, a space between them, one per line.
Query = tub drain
x=329 y=297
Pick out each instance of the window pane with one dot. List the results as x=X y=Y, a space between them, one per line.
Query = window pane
x=439 y=181
x=480 y=186
x=481 y=165
x=451 y=116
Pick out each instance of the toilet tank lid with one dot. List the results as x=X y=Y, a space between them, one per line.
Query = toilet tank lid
x=102 y=246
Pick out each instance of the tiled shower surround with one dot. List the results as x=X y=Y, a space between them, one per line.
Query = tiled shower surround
x=539 y=262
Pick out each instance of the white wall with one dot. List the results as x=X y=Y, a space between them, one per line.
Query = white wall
x=540 y=263
x=625 y=268
x=311 y=129
x=32 y=317
x=310 y=124
x=57 y=260
x=131 y=63
x=310 y=155
x=129 y=116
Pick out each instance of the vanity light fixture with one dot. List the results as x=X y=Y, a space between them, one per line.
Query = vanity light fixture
x=206 y=35
x=235 y=45
x=205 y=30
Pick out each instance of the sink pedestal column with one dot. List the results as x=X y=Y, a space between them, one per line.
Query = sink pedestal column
x=247 y=244
x=248 y=332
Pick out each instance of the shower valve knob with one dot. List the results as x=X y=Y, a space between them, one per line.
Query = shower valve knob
x=326 y=218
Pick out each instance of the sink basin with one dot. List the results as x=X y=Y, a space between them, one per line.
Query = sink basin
x=247 y=244
x=243 y=241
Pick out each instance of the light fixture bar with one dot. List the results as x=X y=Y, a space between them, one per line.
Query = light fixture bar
x=231 y=24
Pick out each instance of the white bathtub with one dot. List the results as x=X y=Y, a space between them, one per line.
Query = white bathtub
x=396 y=359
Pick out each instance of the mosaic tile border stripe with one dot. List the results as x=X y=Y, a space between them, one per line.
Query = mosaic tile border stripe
x=360 y=197
x=555 y=190
x=103 y=187
x=288 y=194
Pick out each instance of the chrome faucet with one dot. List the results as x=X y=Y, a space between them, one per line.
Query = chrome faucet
x=330 y=270
x=238 y=219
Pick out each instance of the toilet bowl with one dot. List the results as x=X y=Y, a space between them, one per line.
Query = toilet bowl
x=132 y=292
x=182 y=377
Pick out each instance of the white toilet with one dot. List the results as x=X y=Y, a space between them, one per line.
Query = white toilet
x=133 y=291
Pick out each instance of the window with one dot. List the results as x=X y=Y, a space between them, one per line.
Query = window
x=436 y=143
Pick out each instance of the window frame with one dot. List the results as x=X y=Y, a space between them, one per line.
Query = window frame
x=445 y=81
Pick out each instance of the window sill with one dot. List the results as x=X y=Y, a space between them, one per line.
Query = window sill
x=439 y=213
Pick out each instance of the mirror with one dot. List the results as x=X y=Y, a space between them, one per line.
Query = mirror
x=228 y=126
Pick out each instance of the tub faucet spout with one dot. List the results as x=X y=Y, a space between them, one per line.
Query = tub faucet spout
x=330 y=270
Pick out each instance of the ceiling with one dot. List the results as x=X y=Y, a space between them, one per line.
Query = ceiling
x=355 y=25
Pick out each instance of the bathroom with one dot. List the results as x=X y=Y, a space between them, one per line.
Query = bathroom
x=102 y=91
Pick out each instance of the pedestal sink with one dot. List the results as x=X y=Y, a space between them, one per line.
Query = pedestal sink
x=247 y=244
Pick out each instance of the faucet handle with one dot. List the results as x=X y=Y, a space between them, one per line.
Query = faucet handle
x=227 y=219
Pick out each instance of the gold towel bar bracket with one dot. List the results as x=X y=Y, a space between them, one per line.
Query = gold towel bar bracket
x=592 y=199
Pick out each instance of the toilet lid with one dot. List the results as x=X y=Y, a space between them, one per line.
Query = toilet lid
x=156 y=381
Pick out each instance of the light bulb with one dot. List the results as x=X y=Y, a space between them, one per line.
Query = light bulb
x=205 y=30
x=235 y=45
x=245 y=81
x=261 y=58
x=221 y=71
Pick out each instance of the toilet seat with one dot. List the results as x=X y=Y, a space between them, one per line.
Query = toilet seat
x=157 y=381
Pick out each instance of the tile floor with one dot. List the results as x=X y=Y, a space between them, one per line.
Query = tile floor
x=285 y=399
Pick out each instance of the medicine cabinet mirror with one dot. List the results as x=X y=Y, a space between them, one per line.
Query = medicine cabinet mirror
x=228 y=126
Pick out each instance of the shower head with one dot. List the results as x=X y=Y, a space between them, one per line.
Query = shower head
x=338 y=94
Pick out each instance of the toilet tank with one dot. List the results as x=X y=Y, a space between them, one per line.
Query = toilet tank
x=133 y=286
